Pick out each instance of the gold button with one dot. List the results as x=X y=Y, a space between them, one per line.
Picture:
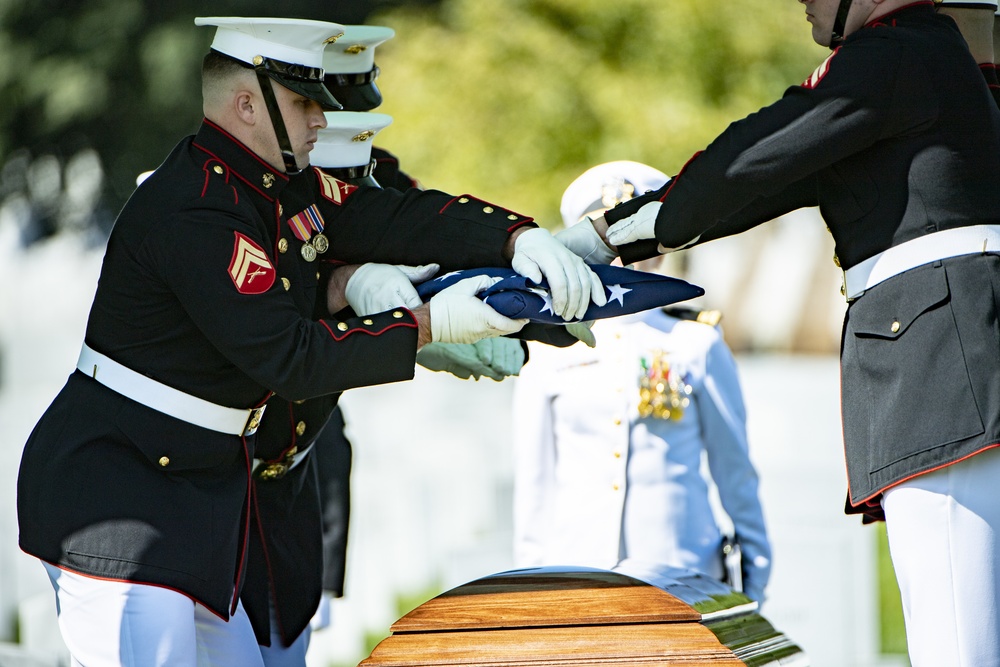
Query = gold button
x=217 y=169
x=257 y=60
x=286 y=283
x=342 y=326
x=397 y=314
x=164 y=461
x=317 y=275
x=282 y=246
x=618 y=422
x=281 y=209
x=512 y=217
x=615 y=487
x=368 y=321
x=300 y=428
x=299 y=402
x=895 y=327
x=618 y=455
x=487 y=209
x=463 y=200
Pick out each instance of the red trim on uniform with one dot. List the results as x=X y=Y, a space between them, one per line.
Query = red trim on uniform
x=277 y=228
x=225 y=175
x=267 y=562
x=520 y=224
x=407 y=325
x=869 y=500
x=250 y=185
x=129 y=581
x=249 y=152
x=256 y=157
x=241 y=561
x=673 y=181
x=450 y=202
x=991 y=73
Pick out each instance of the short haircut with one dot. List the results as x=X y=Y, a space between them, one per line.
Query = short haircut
x=218 y=70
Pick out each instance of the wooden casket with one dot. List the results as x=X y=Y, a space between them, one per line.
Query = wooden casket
x=630 y=616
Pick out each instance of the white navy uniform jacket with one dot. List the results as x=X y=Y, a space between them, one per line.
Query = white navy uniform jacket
x=595 y=483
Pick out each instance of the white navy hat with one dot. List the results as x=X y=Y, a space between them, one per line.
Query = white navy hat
x=290 y=50
x=346 y=141
x=350 y=66
x=606 y=185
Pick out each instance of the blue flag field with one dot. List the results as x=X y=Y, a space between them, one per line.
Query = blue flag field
x=628 y=291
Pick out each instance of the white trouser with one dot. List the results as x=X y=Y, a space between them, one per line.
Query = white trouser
x=944 y=537
x=120 y=624
x=277 y=655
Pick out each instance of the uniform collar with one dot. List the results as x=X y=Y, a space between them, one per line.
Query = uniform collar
x=242 y=162
x=917 y=5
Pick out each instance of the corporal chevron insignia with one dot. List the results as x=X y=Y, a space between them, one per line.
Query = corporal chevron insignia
x=628 y=291
x=250 y=269
x=820 y=72
x=334 y=189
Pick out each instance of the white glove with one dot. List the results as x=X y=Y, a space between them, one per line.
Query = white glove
x=639 y=226
x=459 y=316
x=504 y=356
x=495 y=358
x=572 y=283
x=375 y=288
x=581 y=331
x=584 y=241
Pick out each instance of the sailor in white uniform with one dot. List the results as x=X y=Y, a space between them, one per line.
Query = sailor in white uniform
x=609 y=441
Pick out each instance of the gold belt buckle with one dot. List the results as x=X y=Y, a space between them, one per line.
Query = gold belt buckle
x=253 y=421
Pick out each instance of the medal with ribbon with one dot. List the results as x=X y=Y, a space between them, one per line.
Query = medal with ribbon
x=303 y=225
x=663 y=392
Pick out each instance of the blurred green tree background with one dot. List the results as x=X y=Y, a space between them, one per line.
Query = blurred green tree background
x=512 y=99
x=506 y=99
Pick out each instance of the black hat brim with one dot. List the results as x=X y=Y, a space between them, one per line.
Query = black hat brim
x=314 y=90
x=357 y=97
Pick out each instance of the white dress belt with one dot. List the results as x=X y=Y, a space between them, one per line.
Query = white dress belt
x=169 y=401
x=919 y=251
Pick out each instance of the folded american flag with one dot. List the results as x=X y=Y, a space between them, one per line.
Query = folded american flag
x=515 y=296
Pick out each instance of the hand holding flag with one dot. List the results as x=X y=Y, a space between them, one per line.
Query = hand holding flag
x=515 y=296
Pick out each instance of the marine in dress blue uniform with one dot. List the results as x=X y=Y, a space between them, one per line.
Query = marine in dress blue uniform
x=302 y=514
x=287 y=569
x=897 y=140
x=139 y=472
x=352 y=74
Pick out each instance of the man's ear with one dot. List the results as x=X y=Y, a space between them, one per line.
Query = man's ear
x=246 y=106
